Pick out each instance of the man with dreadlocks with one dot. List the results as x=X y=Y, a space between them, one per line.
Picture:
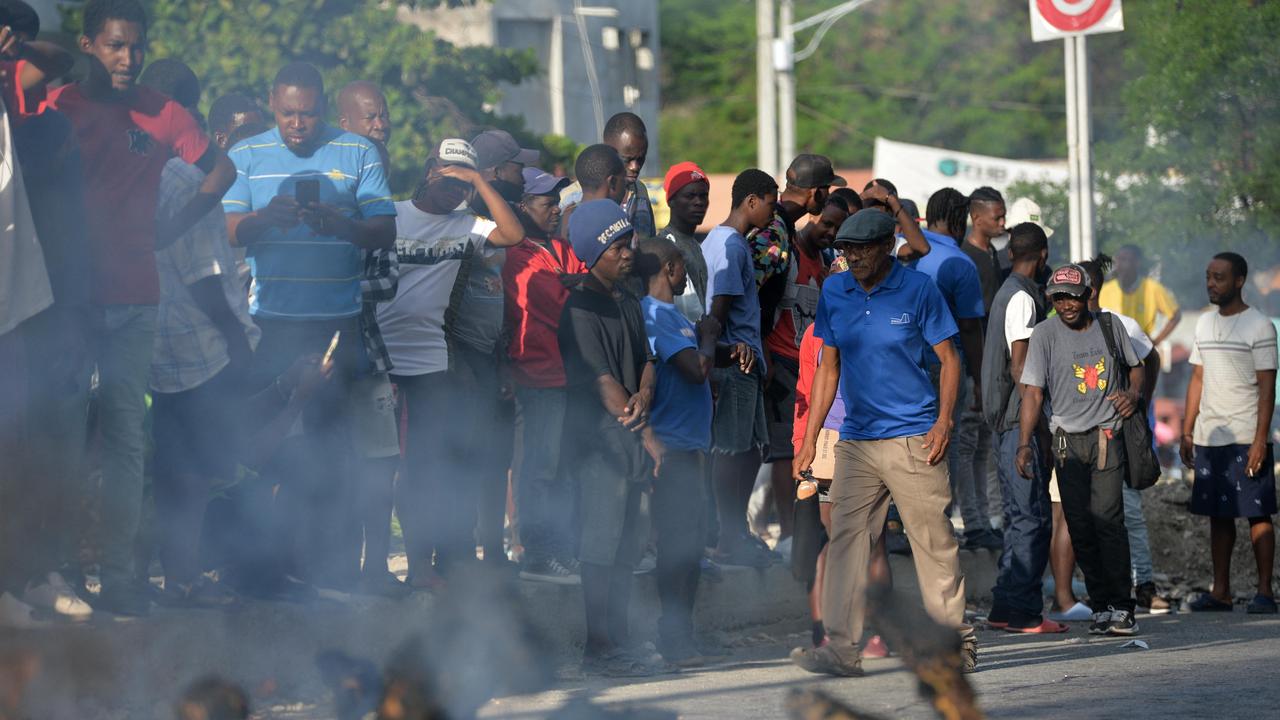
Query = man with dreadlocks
x=957 y=278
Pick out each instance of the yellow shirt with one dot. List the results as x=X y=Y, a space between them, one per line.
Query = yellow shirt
x=1143 y=304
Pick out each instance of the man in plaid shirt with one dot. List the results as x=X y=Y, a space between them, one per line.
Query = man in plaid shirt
x=372 y=401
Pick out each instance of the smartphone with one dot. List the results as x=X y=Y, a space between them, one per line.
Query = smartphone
x=333 y=346
x=307 y=192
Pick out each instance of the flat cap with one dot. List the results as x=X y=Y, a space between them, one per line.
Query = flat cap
x=866 y=226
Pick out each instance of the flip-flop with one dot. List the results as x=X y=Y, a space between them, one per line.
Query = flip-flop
x=1208 y=603
x=1076 y=613
x=1045 y=627
x=1262 y=605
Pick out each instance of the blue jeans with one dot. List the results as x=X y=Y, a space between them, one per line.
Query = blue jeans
x=968 y=457
x=1028 y=527
x=1135 y=522
x=545 y=495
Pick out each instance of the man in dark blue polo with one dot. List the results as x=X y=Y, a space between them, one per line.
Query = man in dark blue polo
x=877 y=323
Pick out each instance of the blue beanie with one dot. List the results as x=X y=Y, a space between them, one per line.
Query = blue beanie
x=594 y=226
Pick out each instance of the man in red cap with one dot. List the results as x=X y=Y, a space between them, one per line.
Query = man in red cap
x=688 y=192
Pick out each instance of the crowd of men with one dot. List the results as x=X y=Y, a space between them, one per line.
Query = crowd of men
x=513 y=363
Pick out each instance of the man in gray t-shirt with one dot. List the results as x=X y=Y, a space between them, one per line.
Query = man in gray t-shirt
x=1077 y=370
x=1068 y=357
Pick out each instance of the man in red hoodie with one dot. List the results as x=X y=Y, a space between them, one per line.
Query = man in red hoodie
x=531 y=279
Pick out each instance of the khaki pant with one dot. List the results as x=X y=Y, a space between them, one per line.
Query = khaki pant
x=867 y=472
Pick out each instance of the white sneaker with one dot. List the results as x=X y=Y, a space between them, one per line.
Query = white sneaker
x=783 y=548
x=56 y=594
x=16 y=614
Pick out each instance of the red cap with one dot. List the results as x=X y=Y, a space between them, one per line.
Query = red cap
x=682 y=174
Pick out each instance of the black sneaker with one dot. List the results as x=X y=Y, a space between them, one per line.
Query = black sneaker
x=549 y=571
x=711 y=571
x=1101 y=621
x=125 y=599
x=1122 y=623
x=616 y=663
x=824 y=661
x=981 y=540
x=896 y=542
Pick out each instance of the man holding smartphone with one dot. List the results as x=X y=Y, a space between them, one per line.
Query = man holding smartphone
x=308 y=201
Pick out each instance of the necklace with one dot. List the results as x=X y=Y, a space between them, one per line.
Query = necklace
x=1218 y=335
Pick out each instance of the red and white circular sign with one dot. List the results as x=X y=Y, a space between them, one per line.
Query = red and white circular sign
x=1073 y=15
x=1061 y=18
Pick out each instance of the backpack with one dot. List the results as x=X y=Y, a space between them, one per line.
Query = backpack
x=1142 y=467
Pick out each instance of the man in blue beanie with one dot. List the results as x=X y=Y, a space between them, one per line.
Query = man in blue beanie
x=608 y=444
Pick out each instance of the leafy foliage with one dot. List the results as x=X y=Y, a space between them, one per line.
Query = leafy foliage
x=1196 y=171
x=434 y=89
x=963 y=75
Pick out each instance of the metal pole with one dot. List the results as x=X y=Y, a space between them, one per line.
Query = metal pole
x=1073 y=152
x=766 y=91
x=786 y=77
x=555 y=76
x=1085 y=152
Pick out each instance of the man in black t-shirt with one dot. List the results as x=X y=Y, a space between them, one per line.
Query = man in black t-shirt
x=610 y=378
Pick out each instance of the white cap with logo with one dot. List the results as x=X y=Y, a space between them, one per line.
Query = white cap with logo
x=1026 y=210
x=454 y=151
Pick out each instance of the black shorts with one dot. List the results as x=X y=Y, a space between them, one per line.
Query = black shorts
x=1223 y=489
x=780 y=407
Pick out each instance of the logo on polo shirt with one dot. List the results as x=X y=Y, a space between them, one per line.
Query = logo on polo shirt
x=140 y=143
x=903 y=319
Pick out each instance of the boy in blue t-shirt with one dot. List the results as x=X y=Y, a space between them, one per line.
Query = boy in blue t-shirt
x=680 y=417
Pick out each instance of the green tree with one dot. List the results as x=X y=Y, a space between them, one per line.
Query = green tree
x=1195 y=171
x=434 y=89
x=959 y=74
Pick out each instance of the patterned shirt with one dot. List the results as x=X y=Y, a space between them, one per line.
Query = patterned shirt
x=381 y=278
x=189 y=349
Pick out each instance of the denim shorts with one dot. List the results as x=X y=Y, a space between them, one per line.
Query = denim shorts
x=739 y=424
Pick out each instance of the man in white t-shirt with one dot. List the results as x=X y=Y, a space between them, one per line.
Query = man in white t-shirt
x=1230 y=400
x=437 y=238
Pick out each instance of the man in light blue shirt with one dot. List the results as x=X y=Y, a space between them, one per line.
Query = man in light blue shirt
x=308 y=201
x=739 y=431
x=956 y=276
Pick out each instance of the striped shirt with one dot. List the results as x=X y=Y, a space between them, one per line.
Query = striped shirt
x=1232 y=350
x=299 y=274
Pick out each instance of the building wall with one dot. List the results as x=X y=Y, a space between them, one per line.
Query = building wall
x=618 y=38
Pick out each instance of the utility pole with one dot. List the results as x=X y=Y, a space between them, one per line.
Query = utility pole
x=1085 y=153
x=1079 y=161
x=784 y=65
x=785 y=57
x=766 y=91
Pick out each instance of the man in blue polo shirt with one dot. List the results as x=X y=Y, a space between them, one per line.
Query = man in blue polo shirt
x=877 y=323
x=308 y=201
x=956 y=276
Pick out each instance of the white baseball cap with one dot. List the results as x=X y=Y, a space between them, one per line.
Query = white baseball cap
x=454 y=151
x=1026 y=210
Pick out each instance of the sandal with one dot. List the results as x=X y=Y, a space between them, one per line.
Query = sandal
x=1262 y=605
x=1045 y=627
x=1209 y=603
